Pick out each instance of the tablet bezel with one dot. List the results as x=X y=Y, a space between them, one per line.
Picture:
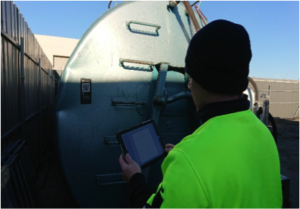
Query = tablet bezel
x=124 y=149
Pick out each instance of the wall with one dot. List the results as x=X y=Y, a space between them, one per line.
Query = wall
x=57 y=47
x=27 y=85
x=283 y=95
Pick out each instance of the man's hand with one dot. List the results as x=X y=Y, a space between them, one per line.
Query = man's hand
x=130 y=168
x=169 y=147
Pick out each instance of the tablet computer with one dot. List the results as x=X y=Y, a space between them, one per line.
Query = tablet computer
x=142 y=142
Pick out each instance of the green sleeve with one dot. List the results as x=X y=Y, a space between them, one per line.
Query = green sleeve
x=181 y=187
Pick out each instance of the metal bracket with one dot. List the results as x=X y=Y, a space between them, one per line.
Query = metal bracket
x=111 y=178
x=173 y=4
x=194 y=3
x=174 y=98
x=110 y=140
x=125 y=102
x=110 y=4
x=161 y=80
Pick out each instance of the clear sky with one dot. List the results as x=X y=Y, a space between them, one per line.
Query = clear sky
x=273 y=27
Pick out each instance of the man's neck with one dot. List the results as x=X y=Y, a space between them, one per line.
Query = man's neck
x=222 y=108
x=212 y=98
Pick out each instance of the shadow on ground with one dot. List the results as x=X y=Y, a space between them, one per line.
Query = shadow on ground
x=52 y=185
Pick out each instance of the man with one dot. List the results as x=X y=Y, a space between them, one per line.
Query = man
x=231 y=160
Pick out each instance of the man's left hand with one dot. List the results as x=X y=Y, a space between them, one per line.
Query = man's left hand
x=130 y=168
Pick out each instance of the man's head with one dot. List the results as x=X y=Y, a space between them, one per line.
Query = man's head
x=218 y=58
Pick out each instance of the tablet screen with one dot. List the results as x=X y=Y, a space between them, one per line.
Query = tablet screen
x=143 y=144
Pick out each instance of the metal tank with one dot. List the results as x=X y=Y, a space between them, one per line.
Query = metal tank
x=127 y=68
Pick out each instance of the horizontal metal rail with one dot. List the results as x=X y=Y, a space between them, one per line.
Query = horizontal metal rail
x=11 y=131
x=275 y=80
x=36 y=113
x=5 y=35
x=109 y=179
x=23 y=190
x=278 y=90
x=284 y=102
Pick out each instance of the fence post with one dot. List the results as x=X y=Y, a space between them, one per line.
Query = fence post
x=22 y=92
x=48 y=87
x=49 y=101
x=265 y=114
x=40 y=109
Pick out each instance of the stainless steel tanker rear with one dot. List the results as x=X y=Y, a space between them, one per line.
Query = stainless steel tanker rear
x=133 y=56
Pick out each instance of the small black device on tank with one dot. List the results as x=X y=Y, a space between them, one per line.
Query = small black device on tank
x=85 y=91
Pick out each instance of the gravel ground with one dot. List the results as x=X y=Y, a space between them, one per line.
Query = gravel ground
x=288 y=147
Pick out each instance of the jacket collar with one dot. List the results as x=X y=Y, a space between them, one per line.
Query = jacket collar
x=211 y=110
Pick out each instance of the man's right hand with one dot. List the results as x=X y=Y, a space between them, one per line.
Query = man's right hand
x=169 y=147
x=129 y=168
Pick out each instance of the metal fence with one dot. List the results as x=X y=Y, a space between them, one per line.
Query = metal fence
x=283 y=96
x=27 y=85
x=18 y=187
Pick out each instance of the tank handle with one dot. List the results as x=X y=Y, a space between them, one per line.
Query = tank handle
x=109 y=179
x=157 y=27
x=179 y=69
x=136 y=62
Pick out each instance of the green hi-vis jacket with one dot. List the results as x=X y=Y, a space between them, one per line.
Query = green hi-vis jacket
x=229 y=161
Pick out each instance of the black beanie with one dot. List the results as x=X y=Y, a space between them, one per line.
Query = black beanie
x=218 y=57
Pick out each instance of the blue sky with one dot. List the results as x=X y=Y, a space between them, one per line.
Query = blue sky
x=273 y=27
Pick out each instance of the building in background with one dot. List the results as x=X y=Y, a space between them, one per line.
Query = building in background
x=283 y=95
x=57 y=49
